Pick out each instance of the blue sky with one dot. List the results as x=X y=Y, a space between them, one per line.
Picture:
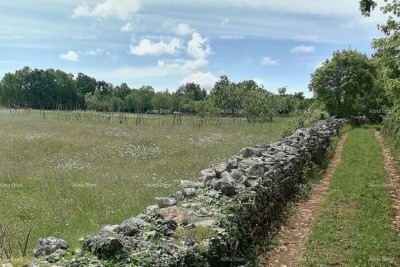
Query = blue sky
x=164 y=43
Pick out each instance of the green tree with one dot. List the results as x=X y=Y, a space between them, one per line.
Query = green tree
x=282 y=91
x=366 y=6
x=344 y=83
x=228 y=96
x=103 y=88
x=122 y=91
x=143 y=98
x=131 y=101
x=161 y=101
x=387 y=56
x=117 y=104
x=192 y=91
x=299 y=95
x=12 y=90
x=85 y=84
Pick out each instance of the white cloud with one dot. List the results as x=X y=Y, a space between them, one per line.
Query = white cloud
x=70 y=56
x=177 y=67
x=128 y=27
x=206 y=80
x=147 y=47
x=183 y=29
x=96 y=52
x=184 y=66
x=82 y=11
x=120 y=9
x=302 y=49
x=198 y=47
x=259 y=81
x=267 y=61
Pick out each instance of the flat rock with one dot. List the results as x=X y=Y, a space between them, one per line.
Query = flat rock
x=175 y=213
x=165 y=202
x=189 y=184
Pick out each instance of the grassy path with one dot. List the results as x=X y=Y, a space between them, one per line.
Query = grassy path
x=354 y=227
x=293 y=235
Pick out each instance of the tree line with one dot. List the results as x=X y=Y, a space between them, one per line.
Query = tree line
x=55 y=89
x=351 y=83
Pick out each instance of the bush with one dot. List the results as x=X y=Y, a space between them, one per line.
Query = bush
x=391 y=125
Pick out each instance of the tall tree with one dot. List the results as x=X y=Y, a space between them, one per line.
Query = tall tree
x=344 y=83
x=85 y=84
x=161 y=101
x=143 y=98
x=387 y=48
x=192 y=91
x=122 y=91
x=227 y=95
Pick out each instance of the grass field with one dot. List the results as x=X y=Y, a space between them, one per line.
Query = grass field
x=354 y=226
x=65 y=177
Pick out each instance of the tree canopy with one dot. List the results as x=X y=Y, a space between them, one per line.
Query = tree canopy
x=345 y=83
x=387 y=55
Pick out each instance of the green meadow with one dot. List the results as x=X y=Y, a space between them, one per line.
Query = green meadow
x=65 y=175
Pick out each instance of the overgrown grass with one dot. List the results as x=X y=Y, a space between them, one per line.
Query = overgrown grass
x=198 y=233
x=354 y=226
x=65 y=177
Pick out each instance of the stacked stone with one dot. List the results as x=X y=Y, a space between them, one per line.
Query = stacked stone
x=239 y=201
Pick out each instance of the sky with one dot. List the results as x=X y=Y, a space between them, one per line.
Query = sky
x=167 y=43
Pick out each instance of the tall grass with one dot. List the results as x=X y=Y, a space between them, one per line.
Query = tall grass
x=354 y=226
x=66 y=176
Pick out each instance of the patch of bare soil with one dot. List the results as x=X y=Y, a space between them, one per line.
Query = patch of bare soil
x=394 y=180
x=293 y=236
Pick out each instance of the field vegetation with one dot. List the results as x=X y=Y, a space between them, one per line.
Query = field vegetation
x=65 y=177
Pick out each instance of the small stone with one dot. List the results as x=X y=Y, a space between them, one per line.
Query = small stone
x=152 y=211
x=131 y=226
x=227 y=177
x=213 y=194
x=281 y=154
x=236 y=175
x=165 y=202
x=189 y=192
x=219 y=169
x=48 y=245
x=207 y=175
x=150 y=234
x=175 y=213
x=189 y=184
x=232 y=164
x=108 y=228
x=248 y=152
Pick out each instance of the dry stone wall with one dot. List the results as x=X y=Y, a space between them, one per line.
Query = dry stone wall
x=213 y=221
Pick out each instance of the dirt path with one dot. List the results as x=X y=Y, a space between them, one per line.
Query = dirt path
x=293 y=235
x=394 y=180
